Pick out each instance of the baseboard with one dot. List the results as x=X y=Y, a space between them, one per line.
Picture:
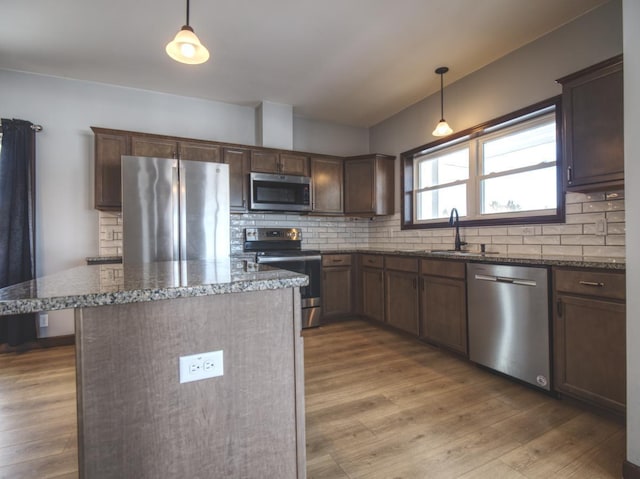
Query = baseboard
x=40 y=343
x=630 y=470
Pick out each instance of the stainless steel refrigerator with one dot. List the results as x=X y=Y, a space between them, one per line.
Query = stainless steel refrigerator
x=174 y=210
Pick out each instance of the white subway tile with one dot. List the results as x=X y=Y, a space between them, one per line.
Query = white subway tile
x=543 y=239
x=562 y=229
x=562 y=250
x=605 y=251
x=617 y=205
x=524 y=249
x=615 y=240
x=581 y=240
x=506 y=239
x=584 y=218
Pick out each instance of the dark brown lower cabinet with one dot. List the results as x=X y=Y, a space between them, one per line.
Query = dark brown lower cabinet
x=590 y=337
x=401 y=293
x=443 y=312
x=372 y=283
x=336 y=285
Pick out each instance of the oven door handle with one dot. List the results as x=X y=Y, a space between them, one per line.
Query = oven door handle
x=287 y=259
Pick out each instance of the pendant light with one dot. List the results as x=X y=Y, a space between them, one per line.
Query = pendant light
x=442 y=128
x=186 y=47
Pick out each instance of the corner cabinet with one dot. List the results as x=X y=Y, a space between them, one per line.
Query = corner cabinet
x=369 y=185
x=443 y=298
x=592 y=104
x=589 y=327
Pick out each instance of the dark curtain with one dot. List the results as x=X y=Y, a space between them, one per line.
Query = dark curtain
x=17 y=222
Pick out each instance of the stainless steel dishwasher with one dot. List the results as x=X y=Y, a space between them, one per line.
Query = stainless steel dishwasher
x=509 y=320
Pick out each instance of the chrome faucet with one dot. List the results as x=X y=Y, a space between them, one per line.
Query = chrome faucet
x=456 y=222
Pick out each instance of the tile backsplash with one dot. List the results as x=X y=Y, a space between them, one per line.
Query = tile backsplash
x=576 y=237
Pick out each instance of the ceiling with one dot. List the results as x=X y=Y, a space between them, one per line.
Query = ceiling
x=354 y=62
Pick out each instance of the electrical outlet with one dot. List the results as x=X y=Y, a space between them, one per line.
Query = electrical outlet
x=44 y=320
x=201 y=366
x=601 y=227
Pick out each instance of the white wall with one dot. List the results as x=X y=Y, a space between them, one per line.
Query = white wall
x=67 y=224
x=318 y=136
x=631 y=10
x=517 y=80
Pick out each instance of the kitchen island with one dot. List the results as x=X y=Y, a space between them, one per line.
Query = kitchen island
x=135 y=417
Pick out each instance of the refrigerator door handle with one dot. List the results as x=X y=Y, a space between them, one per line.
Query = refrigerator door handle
x=183 y=214
x=175 y=201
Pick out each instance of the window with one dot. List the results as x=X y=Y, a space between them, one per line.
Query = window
x=504 y=172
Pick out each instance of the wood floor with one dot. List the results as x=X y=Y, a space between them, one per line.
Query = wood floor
x=379 y=405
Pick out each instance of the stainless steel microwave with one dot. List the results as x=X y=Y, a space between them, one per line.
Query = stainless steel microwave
x=272 y=192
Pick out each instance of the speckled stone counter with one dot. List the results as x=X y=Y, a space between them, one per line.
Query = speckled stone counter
x=540 y=260
x=101 y=285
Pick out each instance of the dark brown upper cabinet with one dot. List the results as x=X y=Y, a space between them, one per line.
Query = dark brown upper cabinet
x=369 y=185
x=238 y=160
x=283 y=163
x=592 y=102
x=109 y=147
x=327 y=189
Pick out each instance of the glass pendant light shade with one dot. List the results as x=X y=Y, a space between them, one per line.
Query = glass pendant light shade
x=442 y=128
x=186 y=47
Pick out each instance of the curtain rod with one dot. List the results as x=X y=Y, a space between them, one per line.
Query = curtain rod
x=35 y=128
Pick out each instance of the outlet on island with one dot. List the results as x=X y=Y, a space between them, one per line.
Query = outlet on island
x=201 y=366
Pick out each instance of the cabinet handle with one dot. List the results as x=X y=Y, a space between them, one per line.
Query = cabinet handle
x=569 y=174
x=592 y=283
x=559 y=308
x=336 y=260
x=415 y=285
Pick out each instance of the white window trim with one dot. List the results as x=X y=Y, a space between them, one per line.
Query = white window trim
x=475 y=163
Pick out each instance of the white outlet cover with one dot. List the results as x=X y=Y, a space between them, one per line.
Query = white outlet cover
x=201 y=366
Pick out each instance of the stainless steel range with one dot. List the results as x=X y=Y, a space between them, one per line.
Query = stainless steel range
x=282 y=248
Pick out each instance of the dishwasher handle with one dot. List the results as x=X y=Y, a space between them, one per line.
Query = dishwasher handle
x=504 y=279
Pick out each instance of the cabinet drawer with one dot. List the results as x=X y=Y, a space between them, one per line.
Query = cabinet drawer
x=400 y=263
x=447 y=269
x=336 y=260
x=590 y=283
x=372 y=261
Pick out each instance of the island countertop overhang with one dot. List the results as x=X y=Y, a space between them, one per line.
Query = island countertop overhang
x=84 y=286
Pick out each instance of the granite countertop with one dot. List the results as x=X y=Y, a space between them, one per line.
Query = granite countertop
x=540 y=260
x=101 y=285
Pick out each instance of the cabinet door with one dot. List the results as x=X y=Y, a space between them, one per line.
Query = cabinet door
x=402 y=300
x=336 y=290
x=590 y=350
x=443 y=312
x=199 y=152
x=359 y=178
x=264 y=162
x=327 y=177
x=109 y=149
x=154 y=147
x=239 y=165
x=373 y=293
x=292 y=164
x=594 y=126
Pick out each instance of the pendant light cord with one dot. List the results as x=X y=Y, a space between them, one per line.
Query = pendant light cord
x=187 y=12
x=441 y=96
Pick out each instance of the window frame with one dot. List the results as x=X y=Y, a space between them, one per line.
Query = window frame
x=470 y=137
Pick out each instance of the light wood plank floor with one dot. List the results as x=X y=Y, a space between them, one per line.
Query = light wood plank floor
x=379 y=405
